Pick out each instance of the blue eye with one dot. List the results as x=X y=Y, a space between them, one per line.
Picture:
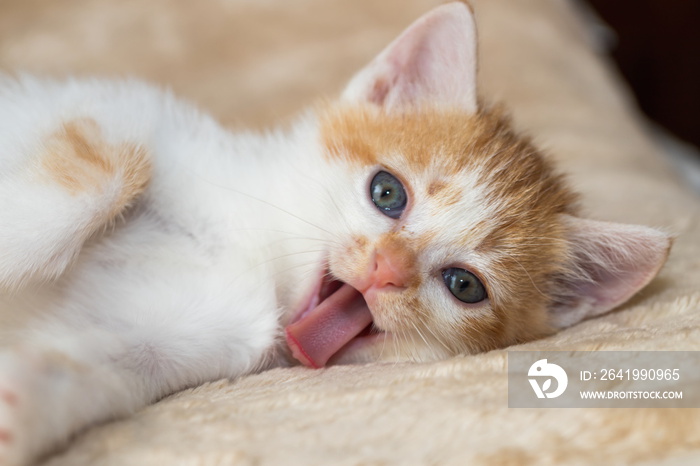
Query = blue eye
x=388 y=194
x=464 y=285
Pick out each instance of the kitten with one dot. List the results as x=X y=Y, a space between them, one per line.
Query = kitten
x=159 y=251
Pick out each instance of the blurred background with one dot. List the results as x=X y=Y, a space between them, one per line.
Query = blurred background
x=656 y=45
x=196 y=50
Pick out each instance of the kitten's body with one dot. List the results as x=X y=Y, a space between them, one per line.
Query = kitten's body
x=171 y=290
x=161 y=251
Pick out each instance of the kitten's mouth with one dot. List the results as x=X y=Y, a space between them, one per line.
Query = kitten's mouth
x=334 y=315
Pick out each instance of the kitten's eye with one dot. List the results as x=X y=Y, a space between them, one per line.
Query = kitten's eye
x=464 y=285
x=388 y=194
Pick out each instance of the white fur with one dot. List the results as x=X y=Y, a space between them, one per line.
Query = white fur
x=189 y=287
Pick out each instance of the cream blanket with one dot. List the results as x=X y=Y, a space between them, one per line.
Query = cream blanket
x=256 y=62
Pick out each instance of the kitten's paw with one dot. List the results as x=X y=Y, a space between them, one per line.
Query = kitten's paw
x=13 y=432
x=20 y=434
x=34 y=414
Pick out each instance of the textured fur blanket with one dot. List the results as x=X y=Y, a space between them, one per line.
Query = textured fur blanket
x=253 y=63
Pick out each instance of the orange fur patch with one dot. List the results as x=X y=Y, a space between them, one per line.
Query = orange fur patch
x=360 y=242
x=135 y=171
x=78 y=158
x=75 y=156
x=435 y=187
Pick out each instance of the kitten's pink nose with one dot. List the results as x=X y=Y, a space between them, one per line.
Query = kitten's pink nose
x=389 y=270
x=393 y=265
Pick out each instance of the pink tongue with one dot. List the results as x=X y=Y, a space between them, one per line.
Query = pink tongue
x=320 y=333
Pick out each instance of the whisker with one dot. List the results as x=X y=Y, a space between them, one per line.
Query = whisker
x=438 y=338
x=331 y=197
x=272 y=259
x=279 y=272
x=272 y=230
x=262 y=201
x=420 y=334
x=381 y=352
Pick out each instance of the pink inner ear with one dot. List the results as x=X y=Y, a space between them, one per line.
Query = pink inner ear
x=433 y=61
x=611 y=263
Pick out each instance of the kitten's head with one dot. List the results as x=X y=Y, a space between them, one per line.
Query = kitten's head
x=458 y=236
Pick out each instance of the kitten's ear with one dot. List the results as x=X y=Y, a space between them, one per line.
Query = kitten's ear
x=434 y=61
x=609 y=263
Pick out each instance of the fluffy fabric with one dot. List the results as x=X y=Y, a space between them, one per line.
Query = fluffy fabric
x=255 y=62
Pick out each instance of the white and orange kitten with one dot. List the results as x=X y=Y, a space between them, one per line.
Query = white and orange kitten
x=158 y=251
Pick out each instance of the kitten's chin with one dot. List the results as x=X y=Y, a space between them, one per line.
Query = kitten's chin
x=377 y=346
x=387 y=347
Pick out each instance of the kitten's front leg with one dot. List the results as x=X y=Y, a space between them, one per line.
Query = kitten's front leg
x=14 y=441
